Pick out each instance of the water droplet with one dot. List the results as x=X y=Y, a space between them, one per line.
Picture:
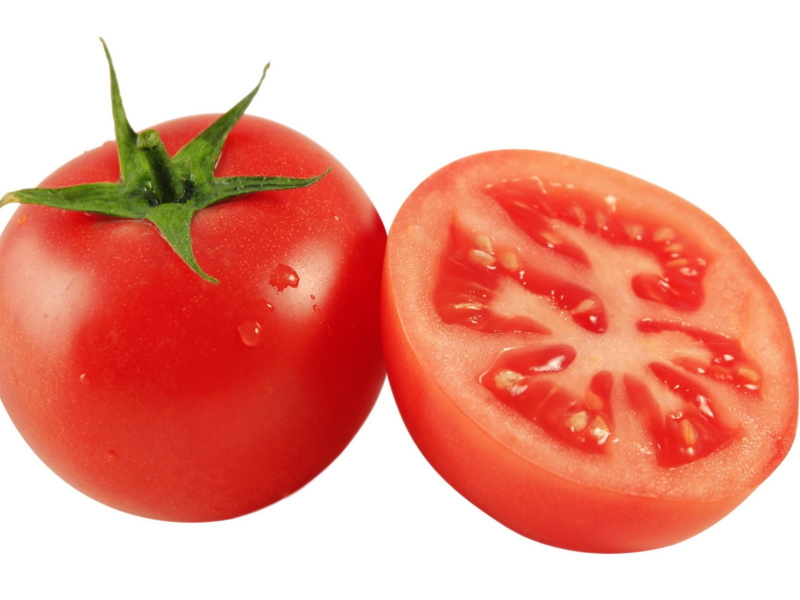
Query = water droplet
x=84 y=379
x=264 y=305
x=317 y=309
x=22 y=219
x=282 y=277
x=111 y=456
x=335 y=217
x=250 y=332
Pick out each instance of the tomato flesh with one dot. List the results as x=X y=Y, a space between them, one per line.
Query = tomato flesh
x=598 y=329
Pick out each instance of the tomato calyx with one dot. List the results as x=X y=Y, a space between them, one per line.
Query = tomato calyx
x=166 y=191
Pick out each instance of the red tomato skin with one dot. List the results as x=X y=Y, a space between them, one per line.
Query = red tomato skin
x=515 y=491
x=166 y=396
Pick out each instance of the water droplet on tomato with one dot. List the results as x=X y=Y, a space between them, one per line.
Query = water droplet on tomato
x=111 y=456
x=264 y=305
x=284 y=276
x=317 y=309
x=84 y=379
x=22 y=219
x=250 y=332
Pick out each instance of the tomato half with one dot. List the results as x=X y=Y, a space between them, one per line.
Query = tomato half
x=588 y=358
x=159 y=393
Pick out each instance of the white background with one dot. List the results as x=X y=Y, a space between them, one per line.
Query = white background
x=700 y=98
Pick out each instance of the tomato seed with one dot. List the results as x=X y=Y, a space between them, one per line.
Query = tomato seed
x=664 y=234
x=689 y=433
x=481 y=258
x=577 y=421
x=509 y=261
x=483 y=242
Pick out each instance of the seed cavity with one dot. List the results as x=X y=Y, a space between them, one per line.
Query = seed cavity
x=520 y=379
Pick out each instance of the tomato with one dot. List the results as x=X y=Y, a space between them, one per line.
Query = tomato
x=161 y=393
x=586 y=357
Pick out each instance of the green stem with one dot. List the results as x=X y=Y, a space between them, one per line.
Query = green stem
x=166 y=191
x=167 y=186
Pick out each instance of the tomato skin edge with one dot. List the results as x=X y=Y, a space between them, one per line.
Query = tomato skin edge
x=519 y=494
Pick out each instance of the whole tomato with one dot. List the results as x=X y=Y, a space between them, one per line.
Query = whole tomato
x=193 y=365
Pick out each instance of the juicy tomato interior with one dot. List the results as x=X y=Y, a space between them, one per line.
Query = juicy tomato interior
x=680 y=418
x=593 y=324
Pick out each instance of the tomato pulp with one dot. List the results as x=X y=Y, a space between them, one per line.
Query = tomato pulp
x=588 y=358
x=165 y=395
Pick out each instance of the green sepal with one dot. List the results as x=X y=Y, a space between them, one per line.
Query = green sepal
x=202 y=153
x=166 y=191
x=105 y=198
x=174 y=222
x=130 y=161
x=222 y=188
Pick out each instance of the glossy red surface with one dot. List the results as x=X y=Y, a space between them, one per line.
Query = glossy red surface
x=164 y=395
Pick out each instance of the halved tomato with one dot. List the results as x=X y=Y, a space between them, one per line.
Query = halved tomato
x=588 y=358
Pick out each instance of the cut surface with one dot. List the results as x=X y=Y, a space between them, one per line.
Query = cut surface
x=595 y=325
